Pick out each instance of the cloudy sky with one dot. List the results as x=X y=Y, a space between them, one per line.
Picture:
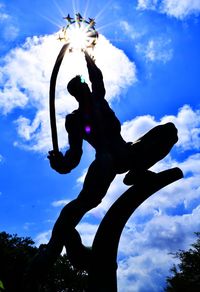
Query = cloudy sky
x=148 y=51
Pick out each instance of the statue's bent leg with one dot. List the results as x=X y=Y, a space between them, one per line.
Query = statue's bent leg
x=156 y=144
x=149 y=149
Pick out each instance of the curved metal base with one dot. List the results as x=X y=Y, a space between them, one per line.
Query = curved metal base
x=102 y=273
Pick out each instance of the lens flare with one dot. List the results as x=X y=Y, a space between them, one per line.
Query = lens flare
x=87 y=129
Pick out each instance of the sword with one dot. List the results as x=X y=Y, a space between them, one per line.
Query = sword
x=52 y=88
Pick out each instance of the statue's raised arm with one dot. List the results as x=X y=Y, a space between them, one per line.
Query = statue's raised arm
x=96 y=77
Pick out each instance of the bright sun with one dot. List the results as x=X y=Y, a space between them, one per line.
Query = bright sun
x=79 y=33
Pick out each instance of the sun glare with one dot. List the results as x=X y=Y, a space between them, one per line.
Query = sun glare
x=79 y=33
x=79 y=38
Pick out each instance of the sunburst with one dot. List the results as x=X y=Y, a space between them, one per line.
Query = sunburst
x=79 y=33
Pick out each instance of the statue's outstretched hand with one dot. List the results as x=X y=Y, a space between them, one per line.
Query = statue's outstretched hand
x=57 y=161
x=89 y=58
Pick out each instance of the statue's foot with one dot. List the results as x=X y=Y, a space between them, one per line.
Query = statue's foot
x=78 y=254
x=134 y=177
x=80 y=257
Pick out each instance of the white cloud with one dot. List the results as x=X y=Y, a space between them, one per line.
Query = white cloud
x=158 y=49
x=8 y=25
x=3 y=16
x=27 y=226
x=11 y=32
x=12 y=97
x=192 y=163
x=133 y=129
x=25 y=78
x=176 y=8
x=81 y=179
x=60 y=203
x=144 y=272
x=147 y=4
x=187 y=122
x=1 y=158
x=130 y=30
x=42 y=238
x=87 y=232
x=148 y=259
x=181 y=9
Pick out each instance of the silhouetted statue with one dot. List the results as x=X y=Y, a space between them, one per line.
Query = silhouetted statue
x=95 y=122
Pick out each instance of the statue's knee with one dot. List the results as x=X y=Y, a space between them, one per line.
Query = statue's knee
x=73 y=207
x=90 y=204
x=171 y=132
x=87 y=202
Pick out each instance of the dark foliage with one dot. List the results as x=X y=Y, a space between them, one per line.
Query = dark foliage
x=15 y=254
x=186 y=275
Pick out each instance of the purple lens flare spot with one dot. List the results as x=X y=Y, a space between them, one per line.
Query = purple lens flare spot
x=87 y=129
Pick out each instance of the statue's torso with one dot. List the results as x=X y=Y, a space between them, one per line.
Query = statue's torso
x=98 y=125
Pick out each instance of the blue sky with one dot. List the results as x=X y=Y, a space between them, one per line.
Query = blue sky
x=148 y=51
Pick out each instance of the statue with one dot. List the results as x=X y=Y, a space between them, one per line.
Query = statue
x=95 y=122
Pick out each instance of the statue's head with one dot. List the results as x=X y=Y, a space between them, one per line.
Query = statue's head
x=78 y=87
